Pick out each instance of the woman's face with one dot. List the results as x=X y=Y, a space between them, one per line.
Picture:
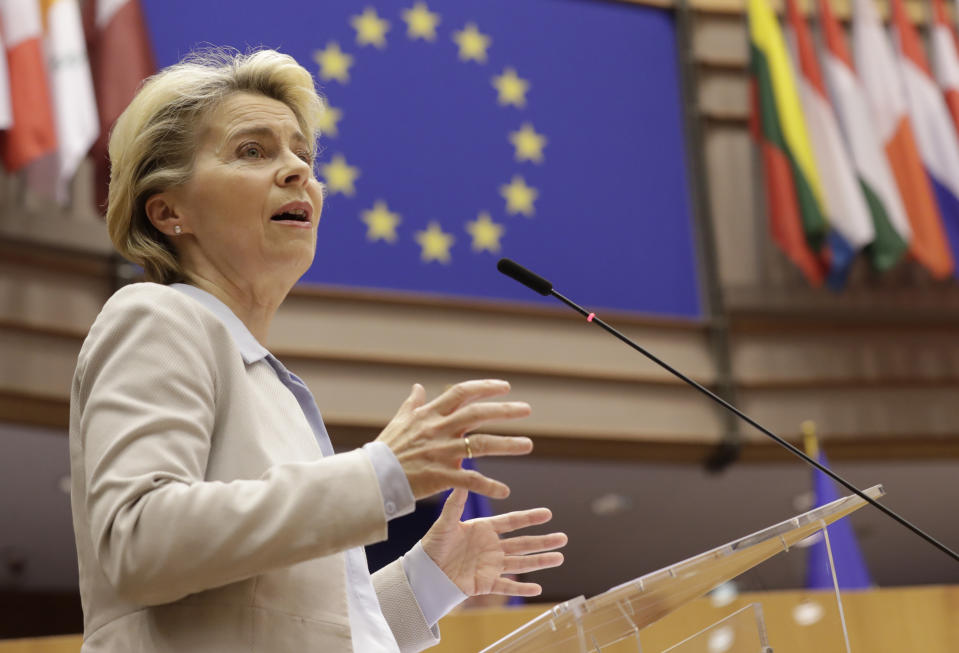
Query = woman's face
x=249 y=212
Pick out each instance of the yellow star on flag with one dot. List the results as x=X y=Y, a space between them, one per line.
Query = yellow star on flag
x=333 y=63
x=485 y=233
x=339 y=175
x=519 y=197
x=435 y=243
x=329 y=121
x=529 y=145
x=472 y=43
x=380 y=222
x=512 y=88
x=370 y=28
x=421 y=22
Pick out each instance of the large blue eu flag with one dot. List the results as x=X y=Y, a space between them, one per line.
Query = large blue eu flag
x=460 y=131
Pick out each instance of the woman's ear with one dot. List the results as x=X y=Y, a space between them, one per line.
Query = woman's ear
x=163 y=216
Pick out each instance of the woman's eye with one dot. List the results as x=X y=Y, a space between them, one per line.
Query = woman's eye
x=306 y=157
x=251 y=151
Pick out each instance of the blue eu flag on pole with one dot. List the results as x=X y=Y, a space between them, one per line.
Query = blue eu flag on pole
x=851 y=571
x=457 y=132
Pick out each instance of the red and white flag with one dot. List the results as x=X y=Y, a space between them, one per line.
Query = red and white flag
x=32 y=134
x=121 y=57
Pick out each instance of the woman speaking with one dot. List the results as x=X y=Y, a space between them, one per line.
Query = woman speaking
x=210 y=511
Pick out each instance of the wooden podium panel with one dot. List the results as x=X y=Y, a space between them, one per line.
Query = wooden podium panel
x=894 y=620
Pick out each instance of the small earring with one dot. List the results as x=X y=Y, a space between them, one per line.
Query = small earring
x=177 y=230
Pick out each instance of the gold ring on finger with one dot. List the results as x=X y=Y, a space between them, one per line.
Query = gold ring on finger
x=469 y=452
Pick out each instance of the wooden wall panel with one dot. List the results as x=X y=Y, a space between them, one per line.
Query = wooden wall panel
x=729 y=160
x=537 y=341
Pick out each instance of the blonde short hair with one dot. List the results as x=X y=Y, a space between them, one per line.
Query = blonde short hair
x=153 y=144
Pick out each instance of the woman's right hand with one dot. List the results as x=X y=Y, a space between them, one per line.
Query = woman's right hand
x=427 y=438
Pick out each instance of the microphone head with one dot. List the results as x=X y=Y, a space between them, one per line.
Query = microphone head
x=529 y=279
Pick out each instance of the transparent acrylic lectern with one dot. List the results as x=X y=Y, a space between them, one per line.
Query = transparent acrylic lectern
x=583 y=625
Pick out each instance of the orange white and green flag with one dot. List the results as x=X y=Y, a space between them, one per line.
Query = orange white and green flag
x=793 y=189
x=882 y=80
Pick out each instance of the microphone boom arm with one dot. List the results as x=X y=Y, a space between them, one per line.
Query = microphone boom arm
x=543 y=287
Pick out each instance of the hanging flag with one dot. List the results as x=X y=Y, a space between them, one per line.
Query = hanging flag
x=850 y=566
x=793 y=191
x=120 y=58
x=496 y=143
x=935 y=134
x=32 y=134
x=945 y=61
x=891 y=226
x=850 y=225
x=71 y=88
x=6 y=110
x=885 y=92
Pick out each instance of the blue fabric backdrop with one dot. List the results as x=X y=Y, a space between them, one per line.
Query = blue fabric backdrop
x=425 y=133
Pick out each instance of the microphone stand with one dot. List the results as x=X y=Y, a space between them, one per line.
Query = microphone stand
x=542 y=286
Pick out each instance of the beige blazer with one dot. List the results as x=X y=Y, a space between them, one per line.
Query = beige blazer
x=206 y=517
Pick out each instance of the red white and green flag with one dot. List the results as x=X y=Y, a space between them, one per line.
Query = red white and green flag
x=891 y=226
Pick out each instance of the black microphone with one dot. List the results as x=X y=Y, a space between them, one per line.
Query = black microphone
x=544 y=287
x=532 y=281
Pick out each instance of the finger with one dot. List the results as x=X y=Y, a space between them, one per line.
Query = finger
x=415 y=399
x=473 y=481
x=510 y=587
x=467 y=392
x=498 y=445
x=453 y=508
x=484 y=445
x=533 y=543
x=525 y=564
x=468 y=417
x=513 y=521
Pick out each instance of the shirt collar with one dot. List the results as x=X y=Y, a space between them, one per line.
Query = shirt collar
x=249 y=347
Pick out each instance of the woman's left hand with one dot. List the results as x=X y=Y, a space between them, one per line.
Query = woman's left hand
x=474 y=557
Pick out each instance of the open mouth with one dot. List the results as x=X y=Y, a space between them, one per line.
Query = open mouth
x=293 y=215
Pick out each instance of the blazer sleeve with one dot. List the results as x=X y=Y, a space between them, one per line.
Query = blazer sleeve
x=144 y=400
x=402 y=612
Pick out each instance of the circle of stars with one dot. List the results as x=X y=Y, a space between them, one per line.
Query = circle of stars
x=511 y=92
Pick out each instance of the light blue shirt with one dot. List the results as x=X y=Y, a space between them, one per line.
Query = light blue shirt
x=435 y=593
